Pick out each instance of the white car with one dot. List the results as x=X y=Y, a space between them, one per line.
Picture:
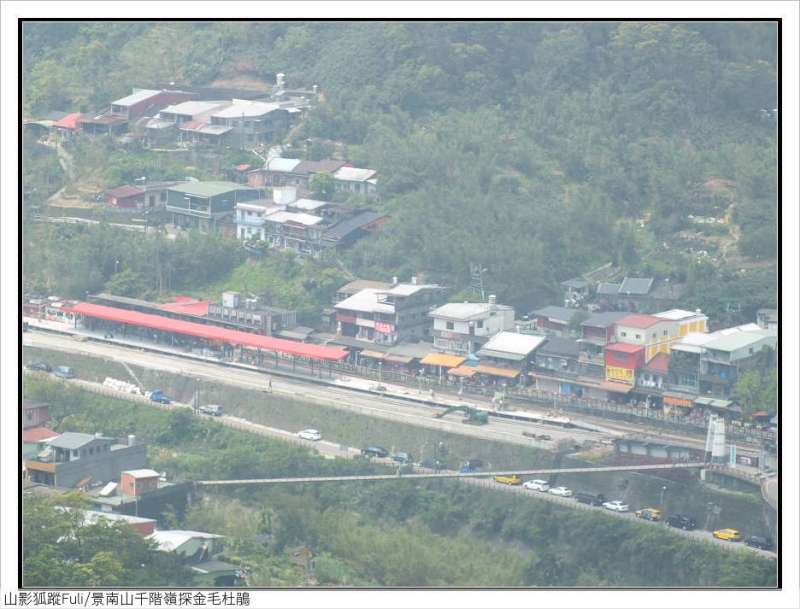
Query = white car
x=561 y=491
x=537 y=485
x=309 y=434
x=616 y=506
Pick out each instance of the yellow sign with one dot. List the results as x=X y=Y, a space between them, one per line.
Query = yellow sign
x=620 y=374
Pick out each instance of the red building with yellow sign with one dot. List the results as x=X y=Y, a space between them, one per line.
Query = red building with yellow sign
x=622 y=360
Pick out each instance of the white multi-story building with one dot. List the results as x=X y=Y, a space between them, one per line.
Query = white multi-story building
x=463 y=328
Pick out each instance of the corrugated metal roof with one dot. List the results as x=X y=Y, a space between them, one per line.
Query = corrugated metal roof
x=210 y=189
x=734 y=342
x=38 y=434
x=365 y=301
x=560 y=346
x=677 y=314
x=194 y=108
x=136 y=97
x=308 y=204
x=442 y=359
x=604 y=320
x=576 y=283
x=141 y=473
x=659 y=362
x=562 y=314
x=282 y=165
x=122 y=192
x=513 y=343
x=235 y=337
x=246 y=109
x=345 y=227
x=608 y=289
x=354 y=174
x=71 y=440
x=635 y=286
x=68 y=122
x=624 y=347
x=496 y=371
x=465 y=311
x=639 y=321
x=199 y=309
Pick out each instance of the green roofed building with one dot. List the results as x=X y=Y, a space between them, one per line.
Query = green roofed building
x=207 y=206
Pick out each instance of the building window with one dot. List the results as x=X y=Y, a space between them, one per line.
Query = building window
x=655 y=335
x=687 y=380
x=620 y=356
x=638 y=336
x=623 y=333
x=450 y=325
x=480 y=323
x=665 y=333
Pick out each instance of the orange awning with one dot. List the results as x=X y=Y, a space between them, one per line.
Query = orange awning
x=616 y=387
x=442 y=359
x=372 y=354
x=463 y=371
x=494 y=371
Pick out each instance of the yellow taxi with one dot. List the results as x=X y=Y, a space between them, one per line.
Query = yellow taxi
x=728 y=534
x=513 y=480
x=649 y=514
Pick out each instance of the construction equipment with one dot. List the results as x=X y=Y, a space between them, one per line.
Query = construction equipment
x=474 y=416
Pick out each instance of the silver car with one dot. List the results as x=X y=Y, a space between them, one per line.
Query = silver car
x=616 y=506
x=561 y=491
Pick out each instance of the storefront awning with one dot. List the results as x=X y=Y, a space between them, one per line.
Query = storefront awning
x=398 y=359
x=615 y=387
x=676 y=401
x=462 y=371
x=372 y=354
x=493 y=371
x=442 y=359
x=713 y=402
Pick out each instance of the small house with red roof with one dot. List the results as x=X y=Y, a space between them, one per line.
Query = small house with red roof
x=127 y=197
x=622 y=361
x=66 y=126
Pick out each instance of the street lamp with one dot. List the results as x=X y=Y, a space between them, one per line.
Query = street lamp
x=116 y=264
x=661 y=501
x=380 y=367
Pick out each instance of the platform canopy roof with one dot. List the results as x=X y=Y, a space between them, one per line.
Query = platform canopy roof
x=235 y=337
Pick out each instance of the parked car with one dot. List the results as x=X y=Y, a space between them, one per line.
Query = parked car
x=473 y=466
x=537 y=485
x=648 y=514
x=510 y=480
x=43 y=366
x=309 y=434
x=728 y=534
x=64 y=372
x=402 y=457
x=374 y=451
x=215 y=410
x=430 y=464
x=762 y=543
x=590 y=498
x=616 y=506
x=686 y=523
x=561 y=491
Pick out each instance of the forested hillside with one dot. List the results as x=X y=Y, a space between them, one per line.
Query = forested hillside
x=539 y=150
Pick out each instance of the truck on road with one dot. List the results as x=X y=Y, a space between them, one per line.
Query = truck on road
x=158 y=396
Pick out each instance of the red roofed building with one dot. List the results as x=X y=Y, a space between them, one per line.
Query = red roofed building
x=66 y=126
x=622 y=360
x=654 y=333
x=127 y=196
